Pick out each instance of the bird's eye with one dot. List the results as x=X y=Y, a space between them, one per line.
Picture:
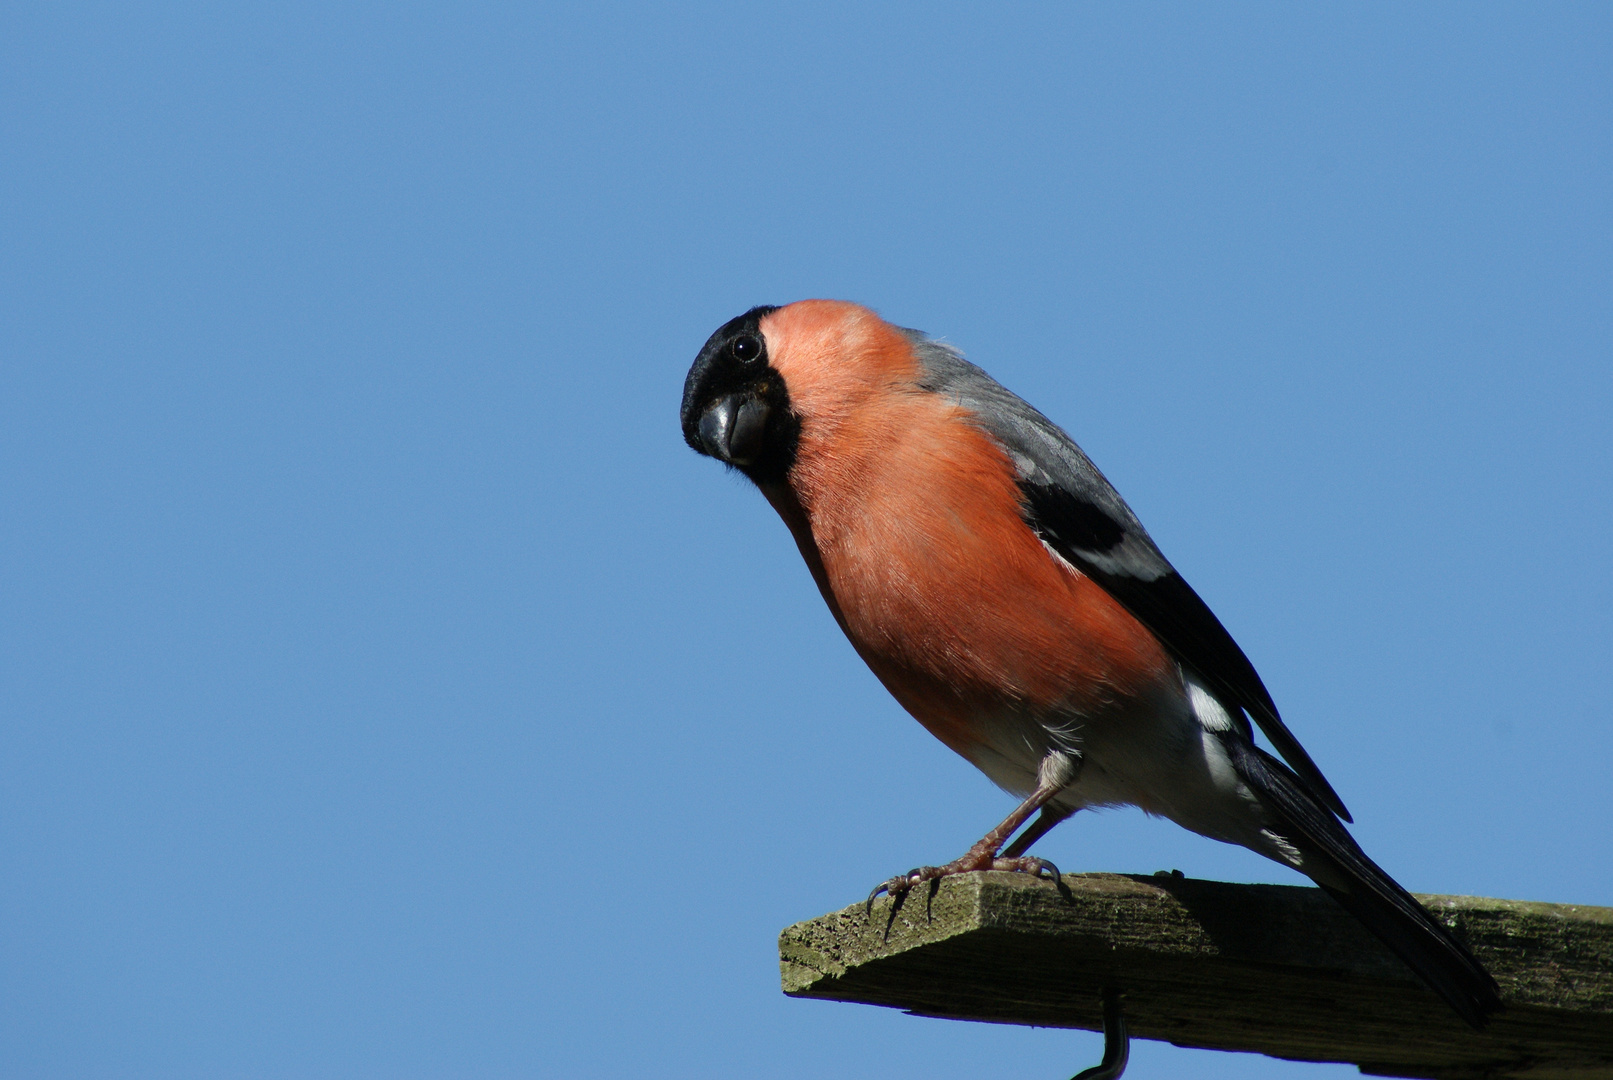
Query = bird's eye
x=746 y=348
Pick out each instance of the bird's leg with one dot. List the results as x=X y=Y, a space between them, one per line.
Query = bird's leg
x=1049 y=817
x=984 y=854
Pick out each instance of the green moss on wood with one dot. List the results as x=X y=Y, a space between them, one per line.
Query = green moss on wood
x=1272 y=969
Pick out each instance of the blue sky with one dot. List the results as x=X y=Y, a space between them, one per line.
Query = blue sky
x=387 y=691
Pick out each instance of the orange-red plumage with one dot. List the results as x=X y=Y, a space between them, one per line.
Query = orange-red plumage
x=1008 y=598
x=913 y=513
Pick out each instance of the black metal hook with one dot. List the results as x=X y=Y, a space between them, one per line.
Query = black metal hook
x=1116 y=1042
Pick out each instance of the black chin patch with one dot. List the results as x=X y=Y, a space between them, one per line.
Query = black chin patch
x=734 y=362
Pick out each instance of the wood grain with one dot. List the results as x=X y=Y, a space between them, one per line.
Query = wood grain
x=1273 y=969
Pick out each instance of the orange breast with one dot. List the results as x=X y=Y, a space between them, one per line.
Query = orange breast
x=959 y=608
x=950 y=598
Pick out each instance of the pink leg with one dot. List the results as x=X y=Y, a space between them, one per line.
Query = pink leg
x=983 y=855
x=1050 y=817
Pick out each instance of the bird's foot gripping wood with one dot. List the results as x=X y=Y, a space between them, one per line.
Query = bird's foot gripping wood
x=984 y=855
x=976 y=858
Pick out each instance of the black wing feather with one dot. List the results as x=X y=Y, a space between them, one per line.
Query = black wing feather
x=1340 y=867
x=1176 y=614
x=1078 y=513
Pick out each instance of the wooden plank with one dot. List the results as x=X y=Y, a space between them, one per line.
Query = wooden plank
x=1273 y=969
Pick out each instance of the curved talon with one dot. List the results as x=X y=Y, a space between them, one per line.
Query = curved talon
x=1039 y=868
x=892 y=887
x=1057 y=878
x=901 y=883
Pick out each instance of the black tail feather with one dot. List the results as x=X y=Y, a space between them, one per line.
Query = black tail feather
x=1365 y=891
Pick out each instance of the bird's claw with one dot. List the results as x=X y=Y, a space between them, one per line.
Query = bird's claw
x=900 y=885
x=1027 y=864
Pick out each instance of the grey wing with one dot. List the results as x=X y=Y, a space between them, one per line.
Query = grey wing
x=1080 y=515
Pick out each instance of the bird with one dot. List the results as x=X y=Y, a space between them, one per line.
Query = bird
x=1009 y=599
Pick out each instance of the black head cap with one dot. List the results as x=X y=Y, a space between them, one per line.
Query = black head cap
x=735 y=405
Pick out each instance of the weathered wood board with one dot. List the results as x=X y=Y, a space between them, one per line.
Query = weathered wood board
x=1273 y=969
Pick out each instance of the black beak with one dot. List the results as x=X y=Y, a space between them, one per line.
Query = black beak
x=732 y=428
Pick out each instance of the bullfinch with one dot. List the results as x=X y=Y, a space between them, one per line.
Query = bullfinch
x=1005 y=594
